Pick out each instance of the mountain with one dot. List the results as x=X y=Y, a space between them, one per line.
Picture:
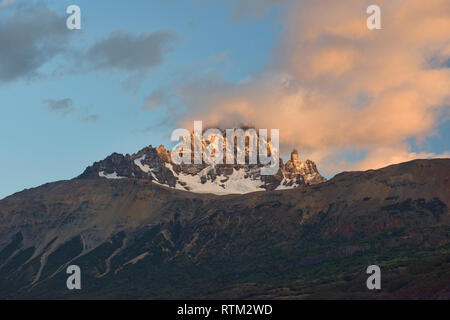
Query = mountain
x=155 y=164
x=136 y=239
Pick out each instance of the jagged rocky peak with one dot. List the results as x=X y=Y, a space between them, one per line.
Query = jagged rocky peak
x=308 y=169
x=163 y=153
x=156 y=164
x=294 y=156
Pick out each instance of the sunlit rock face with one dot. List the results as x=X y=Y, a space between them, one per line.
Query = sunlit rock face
x=156 y=164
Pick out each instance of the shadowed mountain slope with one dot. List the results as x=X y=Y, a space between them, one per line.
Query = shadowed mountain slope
x=135 y=239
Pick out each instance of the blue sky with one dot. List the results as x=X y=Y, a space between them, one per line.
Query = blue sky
x=206 y=40
x=40 y=146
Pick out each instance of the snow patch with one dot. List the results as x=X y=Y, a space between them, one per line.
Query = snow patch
x=110 y=175
x=141 y=166
x=236 y=183
x=284 y=185
x=145 y=168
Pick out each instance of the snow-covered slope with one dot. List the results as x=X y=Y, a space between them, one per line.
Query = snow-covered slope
x=155 y=164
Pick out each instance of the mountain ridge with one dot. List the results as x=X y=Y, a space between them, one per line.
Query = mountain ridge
x=156 y=165
x=167 y=238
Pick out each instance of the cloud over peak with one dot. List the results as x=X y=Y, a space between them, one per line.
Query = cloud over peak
x=335 y=87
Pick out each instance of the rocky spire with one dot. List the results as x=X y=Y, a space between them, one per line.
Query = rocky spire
x=294 y=155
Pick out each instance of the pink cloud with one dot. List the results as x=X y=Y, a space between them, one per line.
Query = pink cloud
x=333 y=85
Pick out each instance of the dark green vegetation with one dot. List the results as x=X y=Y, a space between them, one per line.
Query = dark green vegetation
x=135 y=240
